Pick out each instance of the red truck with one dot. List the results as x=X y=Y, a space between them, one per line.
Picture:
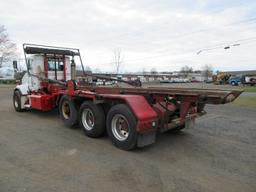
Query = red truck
x=131 y=116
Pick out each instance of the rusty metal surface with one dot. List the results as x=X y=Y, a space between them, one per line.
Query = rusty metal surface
x=212 y=96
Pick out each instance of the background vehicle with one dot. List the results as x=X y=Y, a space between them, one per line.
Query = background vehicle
x=234 y=81
x=221 y=78
x=249 y=80
x=132 y=116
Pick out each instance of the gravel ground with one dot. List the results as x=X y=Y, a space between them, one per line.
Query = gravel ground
x=38 y=154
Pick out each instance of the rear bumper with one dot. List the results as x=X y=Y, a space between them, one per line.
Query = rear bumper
x=149 y=136
x=188 y=121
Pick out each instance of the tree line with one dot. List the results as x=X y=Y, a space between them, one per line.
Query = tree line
x=8 y=48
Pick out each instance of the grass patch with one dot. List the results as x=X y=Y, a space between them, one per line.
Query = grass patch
x=245 y=102
x=7 y=81
x=250 y=89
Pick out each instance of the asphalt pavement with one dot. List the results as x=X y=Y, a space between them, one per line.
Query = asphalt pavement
x=38 y=154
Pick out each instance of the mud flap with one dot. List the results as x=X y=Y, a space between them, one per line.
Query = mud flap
x=190 y=123
x=146 y=139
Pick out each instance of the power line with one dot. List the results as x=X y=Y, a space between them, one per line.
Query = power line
x=167 y=39
x=249 y=20
x=195 y=50
x=164 y=24
x=217 y=46
x=252 y=19
x=231 y=43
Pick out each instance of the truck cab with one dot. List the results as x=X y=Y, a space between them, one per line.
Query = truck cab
x=44 y=64
x=50 y=66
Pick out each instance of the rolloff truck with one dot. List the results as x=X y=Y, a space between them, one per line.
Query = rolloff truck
x=131 y=116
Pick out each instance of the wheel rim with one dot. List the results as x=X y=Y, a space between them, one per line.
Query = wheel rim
x=88 y=119
x=120 y=127
x=66 y=110
x=16 y=104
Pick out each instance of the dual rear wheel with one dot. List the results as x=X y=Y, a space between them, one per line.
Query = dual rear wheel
x=120 y=122
x=121 y=127
x=92 y=119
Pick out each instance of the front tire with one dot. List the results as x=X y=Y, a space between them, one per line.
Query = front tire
x=121 y=127
x=92 y=119
x=17 y=101
x=233 y=83
x=68 y=111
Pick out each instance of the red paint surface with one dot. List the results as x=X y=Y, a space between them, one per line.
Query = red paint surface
x=144 y=113
x=137 y=103
x=71 y=87
x=44 y=84
x=184 y=108
x=42 y=102
x=54 y=88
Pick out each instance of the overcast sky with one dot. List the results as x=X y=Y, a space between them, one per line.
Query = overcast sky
x=161 y=34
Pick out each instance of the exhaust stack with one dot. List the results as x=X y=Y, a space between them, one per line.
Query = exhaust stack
x=73 y=69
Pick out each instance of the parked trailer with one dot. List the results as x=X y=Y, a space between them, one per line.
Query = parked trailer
x=131 y=116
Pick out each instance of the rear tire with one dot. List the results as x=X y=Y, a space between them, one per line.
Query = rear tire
x=92 y=119
x=17 y=101
x=68 y=111
x=121 y=127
